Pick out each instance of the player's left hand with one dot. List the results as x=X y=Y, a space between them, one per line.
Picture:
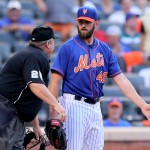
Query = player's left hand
x=37 y=131
x=146 y=110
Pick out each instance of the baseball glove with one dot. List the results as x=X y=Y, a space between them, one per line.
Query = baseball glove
x=56 y=134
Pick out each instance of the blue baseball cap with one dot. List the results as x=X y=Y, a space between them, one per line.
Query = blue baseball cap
x=87 y=13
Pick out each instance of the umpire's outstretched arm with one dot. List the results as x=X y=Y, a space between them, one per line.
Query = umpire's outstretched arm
x=41 y=91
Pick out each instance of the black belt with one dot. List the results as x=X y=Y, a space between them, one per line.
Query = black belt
x=88 y=100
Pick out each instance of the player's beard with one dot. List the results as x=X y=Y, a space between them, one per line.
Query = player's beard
x=87 y=34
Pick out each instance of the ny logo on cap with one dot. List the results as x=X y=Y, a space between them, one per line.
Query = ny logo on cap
x=84 y=11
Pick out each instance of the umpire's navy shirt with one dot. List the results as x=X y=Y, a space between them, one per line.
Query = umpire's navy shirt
x=28 y=66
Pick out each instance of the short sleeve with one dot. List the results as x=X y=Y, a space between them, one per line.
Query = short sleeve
x=31 y=70
x=113 y=66
x=61 y=61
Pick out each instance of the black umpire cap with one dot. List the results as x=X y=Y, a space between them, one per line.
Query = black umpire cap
x=42 y=33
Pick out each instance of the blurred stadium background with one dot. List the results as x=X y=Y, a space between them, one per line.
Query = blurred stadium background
x=111 y=13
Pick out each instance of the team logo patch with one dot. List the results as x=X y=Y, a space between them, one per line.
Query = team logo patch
x=84 y=11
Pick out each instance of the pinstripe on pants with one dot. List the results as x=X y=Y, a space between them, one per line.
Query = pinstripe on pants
x=84 y=125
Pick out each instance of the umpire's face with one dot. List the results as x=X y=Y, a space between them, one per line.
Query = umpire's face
x=49 y=47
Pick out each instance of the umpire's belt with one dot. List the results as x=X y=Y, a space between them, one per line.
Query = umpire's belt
x=79 y=98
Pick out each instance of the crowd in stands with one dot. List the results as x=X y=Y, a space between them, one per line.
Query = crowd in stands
x=115 y=111
x=124 y=26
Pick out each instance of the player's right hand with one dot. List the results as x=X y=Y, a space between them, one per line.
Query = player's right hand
x=61 y=111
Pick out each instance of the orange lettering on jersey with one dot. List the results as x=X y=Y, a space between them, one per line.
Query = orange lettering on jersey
x=100 y=60
x=93 y=63
x=83 y=62
x=102 y=77
x=105 y=76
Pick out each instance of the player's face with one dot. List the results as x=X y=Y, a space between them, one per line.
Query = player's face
x=85 y=28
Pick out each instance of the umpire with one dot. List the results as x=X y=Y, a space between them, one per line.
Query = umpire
x=23 y=82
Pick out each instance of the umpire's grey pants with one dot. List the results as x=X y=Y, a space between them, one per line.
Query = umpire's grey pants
x=12 y=129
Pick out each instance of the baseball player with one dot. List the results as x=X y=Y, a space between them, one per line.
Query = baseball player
x=84 y=63
x=23 y=89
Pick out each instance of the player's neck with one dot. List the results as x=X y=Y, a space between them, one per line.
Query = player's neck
x=89 y=41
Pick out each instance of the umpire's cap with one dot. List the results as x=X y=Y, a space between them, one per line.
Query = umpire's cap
x=42 y=33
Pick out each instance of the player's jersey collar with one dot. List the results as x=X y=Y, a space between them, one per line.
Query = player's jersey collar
x=85 y=45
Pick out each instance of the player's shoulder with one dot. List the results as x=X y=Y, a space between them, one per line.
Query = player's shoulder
x=70 y=42
x=68 y=45
x=103 y=45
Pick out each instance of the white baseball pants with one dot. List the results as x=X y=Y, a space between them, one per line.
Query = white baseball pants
x=84 y=124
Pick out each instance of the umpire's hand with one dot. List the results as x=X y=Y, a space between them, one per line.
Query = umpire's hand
x=37 y=131
x=61 y=111
x=41 y=91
